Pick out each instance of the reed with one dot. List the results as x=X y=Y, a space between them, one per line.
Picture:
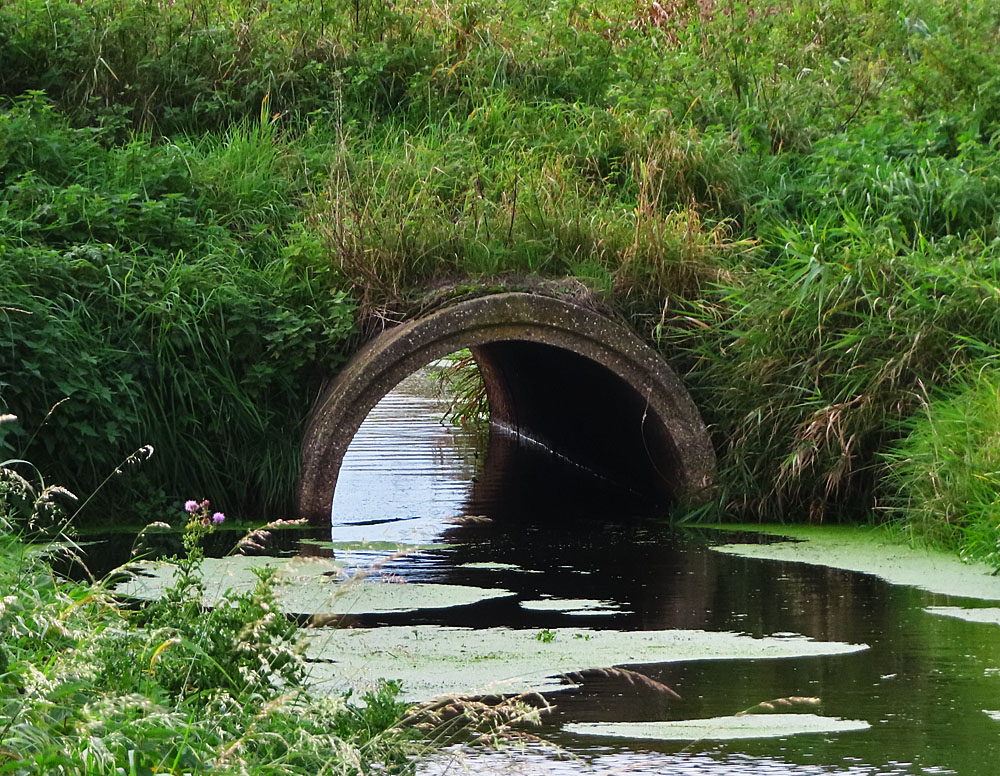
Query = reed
x=795 y=202
x=944 y=482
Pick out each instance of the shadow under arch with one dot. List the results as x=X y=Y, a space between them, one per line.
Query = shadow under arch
x=556 y=374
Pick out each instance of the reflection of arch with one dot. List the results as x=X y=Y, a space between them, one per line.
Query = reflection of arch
x=555 y=372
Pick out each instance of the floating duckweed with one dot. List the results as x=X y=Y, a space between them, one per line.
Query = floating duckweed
x=874 y=552
x=313 y=585
x=720 y=728
x=432 y=661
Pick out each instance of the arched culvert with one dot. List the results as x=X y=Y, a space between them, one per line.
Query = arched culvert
x=559 y=374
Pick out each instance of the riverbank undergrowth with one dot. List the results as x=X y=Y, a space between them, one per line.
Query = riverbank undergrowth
x=203 y=200
x=91 y=685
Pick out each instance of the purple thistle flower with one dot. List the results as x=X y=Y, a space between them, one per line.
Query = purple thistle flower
x=218 y=517
x=190 y=506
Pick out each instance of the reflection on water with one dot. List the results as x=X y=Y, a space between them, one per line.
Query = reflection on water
x=405 y=471
x=409 y=477
x=521 y=761
x=923 y=685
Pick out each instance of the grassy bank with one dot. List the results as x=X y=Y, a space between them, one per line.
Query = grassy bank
x=90 y=685
x=794 y=201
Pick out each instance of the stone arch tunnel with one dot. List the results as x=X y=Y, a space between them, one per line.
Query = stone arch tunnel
x=556 y=373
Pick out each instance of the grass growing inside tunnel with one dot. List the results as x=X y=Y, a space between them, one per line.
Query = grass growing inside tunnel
x=458 y=378
x=204 y=200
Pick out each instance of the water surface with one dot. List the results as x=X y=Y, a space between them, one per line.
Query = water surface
x=420 y=501
x=548 y=531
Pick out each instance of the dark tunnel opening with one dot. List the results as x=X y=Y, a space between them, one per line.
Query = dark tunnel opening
x=582 y=412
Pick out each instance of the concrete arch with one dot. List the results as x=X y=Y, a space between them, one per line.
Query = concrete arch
x=555 y=372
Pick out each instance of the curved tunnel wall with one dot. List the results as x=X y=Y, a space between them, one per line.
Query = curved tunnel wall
x=582 y=411
x=555 y=372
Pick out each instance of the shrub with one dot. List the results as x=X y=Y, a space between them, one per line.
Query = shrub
x=148 y=299
x=90 y=686
x=944 y=484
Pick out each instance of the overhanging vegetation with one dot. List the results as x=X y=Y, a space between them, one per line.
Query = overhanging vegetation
x=794 y=201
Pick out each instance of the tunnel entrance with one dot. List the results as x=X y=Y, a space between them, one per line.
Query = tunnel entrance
x=556 y=375
x=582 y=412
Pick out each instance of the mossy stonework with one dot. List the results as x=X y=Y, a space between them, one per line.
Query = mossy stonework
x=556 y=373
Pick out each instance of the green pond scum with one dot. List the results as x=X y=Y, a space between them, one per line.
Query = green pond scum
x=721 y=728
x=308 y=586
x=877 y=552
x=432 y=661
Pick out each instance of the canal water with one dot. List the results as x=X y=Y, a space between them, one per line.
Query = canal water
x=518 y=518
x=421 y=502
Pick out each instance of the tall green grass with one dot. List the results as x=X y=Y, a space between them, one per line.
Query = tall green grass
x=809 y=364
x=944 y=485
x=795 y=201
x=148 y=299
x=403 y=210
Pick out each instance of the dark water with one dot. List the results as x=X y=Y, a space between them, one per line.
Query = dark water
x=925 y=685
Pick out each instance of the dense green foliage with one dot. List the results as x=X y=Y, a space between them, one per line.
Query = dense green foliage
x=148 y=285
x=796 y=201
x=89 y=687
x=945 y=481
